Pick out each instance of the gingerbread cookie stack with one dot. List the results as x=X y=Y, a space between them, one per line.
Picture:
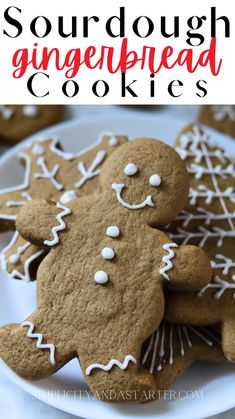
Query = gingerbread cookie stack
x=109 y=269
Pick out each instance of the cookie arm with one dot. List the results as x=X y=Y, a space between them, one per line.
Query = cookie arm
x=39 y=221
x=191 y=269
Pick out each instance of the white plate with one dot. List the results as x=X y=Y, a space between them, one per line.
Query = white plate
x=213 y=385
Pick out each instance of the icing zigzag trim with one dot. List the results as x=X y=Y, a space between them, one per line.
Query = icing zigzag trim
x=60 y=227
x=166 y=260
x=122 y=366
x=39 y=338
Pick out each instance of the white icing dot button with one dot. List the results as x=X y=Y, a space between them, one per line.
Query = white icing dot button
x=112 y=231
x=108 y=253
x=101 y=277
x=130 y=169
x=155 y=180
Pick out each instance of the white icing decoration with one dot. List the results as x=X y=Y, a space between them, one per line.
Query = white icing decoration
x=199 y=156
x=203 y=234
x=186 y=217
x=155 y=180
x=198 y=144
x=219 y=284
x=38 y=150
x=47 y=174
x=161 y=343
x=25 y=195
x=221 y=112
x=92 y=170
x=118 y=187
x=113 y=231
x=68 y=196
x=113 y=141
x=108 y=253
x=209 y=195
x=109 y=366
x=39 y=338
x=14 y=259
x=167 y=260
x=60 y=227
x=30 y=111
x=130 y=169
x=15 y=274
x=200 y=171
x=101 y=277
x=6 y=111
x=226 y=265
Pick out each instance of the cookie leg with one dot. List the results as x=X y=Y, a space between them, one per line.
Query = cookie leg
x=228 y=339
x=29 y=351
x=118 y=380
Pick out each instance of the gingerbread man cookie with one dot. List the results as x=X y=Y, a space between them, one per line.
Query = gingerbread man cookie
x=219 y=117
x=209 y=222
x=64 y=176
x=172 y=348
x=106 y=265
x=19 y=121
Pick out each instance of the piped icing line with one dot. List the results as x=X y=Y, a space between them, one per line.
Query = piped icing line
x=60 y=227
x=91 y=171
x=198 y=154
x=209 y=195
x=25 y=183
x=200 y=171
x=226 y=264
x=186 y=217
x=167 y=260
x=24 y=195
x=203 y=234
x=39 y=338
x=48 y=174
x=195 y=138
x=220 y=285
x=161 y=344
x=15 y=274
x=221 y=112
x=109 y=366
x=118 y=187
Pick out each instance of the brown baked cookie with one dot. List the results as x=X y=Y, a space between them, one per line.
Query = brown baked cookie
x=209 y=222
x=64 y=177
x=172 y=348
x=219 y=117
x=19 y=121
x=106 y=265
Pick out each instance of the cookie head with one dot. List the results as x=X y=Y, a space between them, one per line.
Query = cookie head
x=147 y=176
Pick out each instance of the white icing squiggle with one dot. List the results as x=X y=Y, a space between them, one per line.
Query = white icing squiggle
x=109 y=366
x=60 y=227
x=226 y=265
x=118 y=187
x=167 y=260
x=39 y=338
x=209 y=195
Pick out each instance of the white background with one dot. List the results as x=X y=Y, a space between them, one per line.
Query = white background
x=220 y=89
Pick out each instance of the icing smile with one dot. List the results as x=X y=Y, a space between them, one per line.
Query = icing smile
x=118 y=187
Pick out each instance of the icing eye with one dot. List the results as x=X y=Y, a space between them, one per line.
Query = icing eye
x=155 y=180
x=130 y=169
